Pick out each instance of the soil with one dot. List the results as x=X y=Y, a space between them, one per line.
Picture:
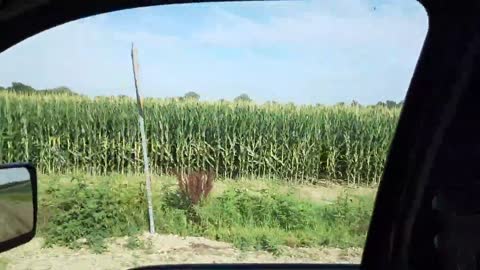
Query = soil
x=16 y=218
x=161 y=249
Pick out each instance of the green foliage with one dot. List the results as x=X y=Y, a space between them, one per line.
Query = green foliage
x=243 y=98
x=350 y=215
x=390 y=104
x=4 y=263
x=133 y=242
x=282 y=219
x=264 y=209
x=263 y=220
x=20 y=185
x=20 y=88
x=16 y=191
x=65 y=134
x=355 y=103
x=62 y=90
x=82 y=210
x=267 y=219
x=191 y=96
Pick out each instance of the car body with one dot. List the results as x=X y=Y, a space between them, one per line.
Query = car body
x=433 y=151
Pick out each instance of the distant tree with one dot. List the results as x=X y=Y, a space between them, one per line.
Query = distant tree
x=61 y=90
x=272 y=102
x=340 y=104
x=381 y=103
x=2 y=88
x=391 y=104
x=191 y=96
x=243 y=98
x=21 y=88
x=355 y=103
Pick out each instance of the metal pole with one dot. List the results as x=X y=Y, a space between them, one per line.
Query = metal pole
x=144 y=139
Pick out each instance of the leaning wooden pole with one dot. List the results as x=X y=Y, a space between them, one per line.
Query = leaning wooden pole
x=144 y=138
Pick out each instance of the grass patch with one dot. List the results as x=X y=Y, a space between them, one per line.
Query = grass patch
x=91 y=211
x=3 y=263
x=133 y=242
x=17 y=191
x=265 y=218
x=18 y=197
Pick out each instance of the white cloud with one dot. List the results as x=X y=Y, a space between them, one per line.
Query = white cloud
x=341 y=47
x=350 y=24
x=87 y=55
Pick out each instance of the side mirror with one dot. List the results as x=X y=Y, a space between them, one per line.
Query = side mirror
x=18 y=204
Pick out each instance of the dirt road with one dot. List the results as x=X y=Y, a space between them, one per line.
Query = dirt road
x=161 y=249
x=16 y=218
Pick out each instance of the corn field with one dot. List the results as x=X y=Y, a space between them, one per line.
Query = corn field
x=67 y=134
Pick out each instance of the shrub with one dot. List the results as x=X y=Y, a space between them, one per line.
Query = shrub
x=81 y=210
x=196 y=185
x=264 y=219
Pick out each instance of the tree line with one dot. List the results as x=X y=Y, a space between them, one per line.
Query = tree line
x=19 y=87
x=387 y=103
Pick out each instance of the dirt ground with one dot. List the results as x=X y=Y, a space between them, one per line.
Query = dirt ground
x=161 y=249
x=16 y=218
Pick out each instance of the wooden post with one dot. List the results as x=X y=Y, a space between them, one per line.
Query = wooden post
x=141 y=121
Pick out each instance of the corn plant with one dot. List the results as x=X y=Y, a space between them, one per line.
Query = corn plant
x=65 y=134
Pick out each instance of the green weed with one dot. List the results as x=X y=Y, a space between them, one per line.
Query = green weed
x=133 y=242
x=89 y=211
x=252 y=220
x=3 y=263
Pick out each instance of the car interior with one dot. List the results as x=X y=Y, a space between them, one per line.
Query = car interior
x=427 y=212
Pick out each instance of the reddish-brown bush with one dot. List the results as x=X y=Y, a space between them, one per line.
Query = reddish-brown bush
x=195 y=185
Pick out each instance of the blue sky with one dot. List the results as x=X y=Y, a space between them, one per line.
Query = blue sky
x=316 y=51
x=14 y=175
